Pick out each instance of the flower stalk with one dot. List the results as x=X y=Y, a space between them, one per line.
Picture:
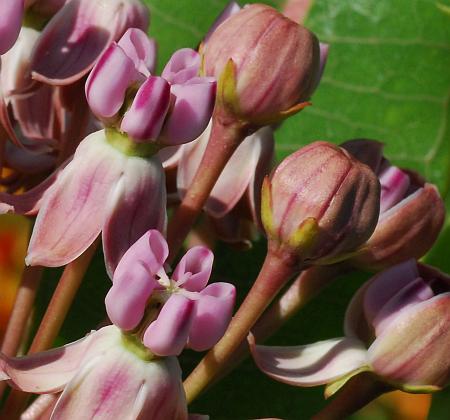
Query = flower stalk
x=275 y=272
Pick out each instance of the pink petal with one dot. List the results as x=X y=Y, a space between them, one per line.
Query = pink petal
x=127 y=299
x=29 y=202
x=120 y=385
x=145 y=118
x=168 y=334
x=137 y=204
x=36 y=114
x=413 y=350
x=194 y=269
x=141 y=49
x=51 y=370
x=150 y=250
x=74 y=209
x=413 y=293
x=10 y=23
x=213 y=311
x=15 y=74
x=107 y=83
x=191 y=112
x=386 y=284
x=182 y=66
x=41 y=408
x=313 y=364
x=76 y=36
x=394 y=185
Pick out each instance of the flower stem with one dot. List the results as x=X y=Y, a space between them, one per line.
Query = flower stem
x=356 y=393
x=223 y=142
x=274 y=273
x=52 y=321
x=20 y=314
x=306 y=286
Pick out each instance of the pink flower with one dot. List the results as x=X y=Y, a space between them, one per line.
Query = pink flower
x=103 y=190
x=192 y=313
x=234 y=202
x=172 y=109
x=397 y=326
x=104 y=375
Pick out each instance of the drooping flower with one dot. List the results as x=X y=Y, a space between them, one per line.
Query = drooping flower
x=233 y=206
x=412 y=212
x=79 y=33
x=104 y=375
x=396 y=326
x=115 y=183
x=192 y=313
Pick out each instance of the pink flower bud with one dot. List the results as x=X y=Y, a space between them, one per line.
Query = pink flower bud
x=10 y=23
x=411 y=211
x=265 y=71
x=320 y=204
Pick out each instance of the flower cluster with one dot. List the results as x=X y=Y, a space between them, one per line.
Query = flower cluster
x=97 y=146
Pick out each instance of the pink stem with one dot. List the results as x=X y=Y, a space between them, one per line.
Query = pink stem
x=20 y=314
x=223 y=142
x=274 y=273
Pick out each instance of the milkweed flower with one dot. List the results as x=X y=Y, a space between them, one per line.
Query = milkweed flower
x=189 y=312
x=396 y=326
x=106 y=374
x=115 y=182
x=412 y=212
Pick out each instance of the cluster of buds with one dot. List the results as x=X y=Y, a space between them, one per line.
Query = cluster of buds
x=93 y=138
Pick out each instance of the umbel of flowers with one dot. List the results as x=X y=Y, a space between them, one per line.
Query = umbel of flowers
x=95 y=144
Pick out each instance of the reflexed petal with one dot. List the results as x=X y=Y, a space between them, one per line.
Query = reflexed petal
x=51 y=370
x=41 y=408
x=10 y=23
x=168 y=334
x=150 y=250
x=107 y=83
x=127 y=298
x=136 y=205
x=386 y=284
x=213 y=311
x=170 y=156
x=73 y=210
x=29 y=202
x=141 y=49
x=118 y=383
x=413 y=293
x=413 y=350
x=145 y=118
x=77 y=35
x=313 y=364
x=194 y=269
x=15 y=74
x=182 y=66
x=191 y=112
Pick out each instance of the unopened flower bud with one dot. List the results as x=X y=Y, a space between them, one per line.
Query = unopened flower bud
x=264 y=72
x=320 y=204
x=411 y=211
